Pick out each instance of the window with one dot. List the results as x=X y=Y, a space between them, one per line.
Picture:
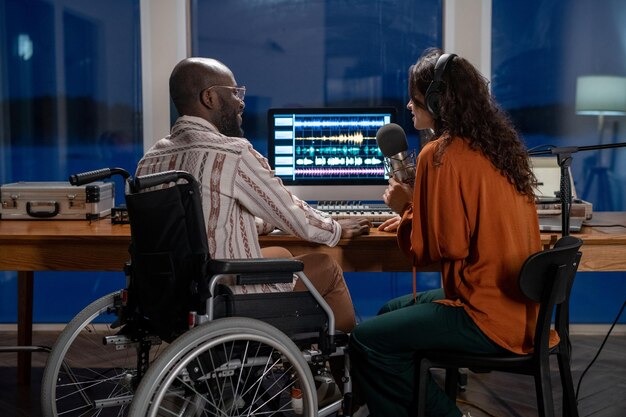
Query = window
x=70 y=101
x=539 y=50
x=316 y=53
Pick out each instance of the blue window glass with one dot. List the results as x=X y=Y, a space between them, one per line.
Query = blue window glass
x=540 y=48
x=70 y=101
x=316 y=53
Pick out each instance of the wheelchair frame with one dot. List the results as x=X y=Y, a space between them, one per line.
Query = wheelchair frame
x=154 y=380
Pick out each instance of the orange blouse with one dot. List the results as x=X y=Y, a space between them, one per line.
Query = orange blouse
x=469 y=217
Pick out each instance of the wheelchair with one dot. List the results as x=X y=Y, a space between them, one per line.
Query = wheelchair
x=177 y=341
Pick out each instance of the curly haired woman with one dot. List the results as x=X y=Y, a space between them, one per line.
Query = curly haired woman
x=471 y=209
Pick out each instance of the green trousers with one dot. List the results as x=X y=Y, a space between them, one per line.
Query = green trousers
x=383 y=351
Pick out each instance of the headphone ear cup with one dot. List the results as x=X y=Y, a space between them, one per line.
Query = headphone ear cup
x=432 y=103
x=433 y=92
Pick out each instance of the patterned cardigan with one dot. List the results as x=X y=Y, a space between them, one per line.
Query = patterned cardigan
x=240 y=194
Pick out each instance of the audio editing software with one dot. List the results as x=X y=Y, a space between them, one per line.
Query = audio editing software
x=325 y=147
x=328 y=156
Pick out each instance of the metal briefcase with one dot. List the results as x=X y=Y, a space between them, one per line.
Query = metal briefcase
x=55 y=200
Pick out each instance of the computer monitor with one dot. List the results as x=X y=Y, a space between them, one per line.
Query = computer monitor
x=324 y=154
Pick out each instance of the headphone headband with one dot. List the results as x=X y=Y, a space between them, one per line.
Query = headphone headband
x=433 y=93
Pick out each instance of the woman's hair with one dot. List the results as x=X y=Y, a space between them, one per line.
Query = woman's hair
x=468 y=110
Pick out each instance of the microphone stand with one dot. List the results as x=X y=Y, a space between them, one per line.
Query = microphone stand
x=564 y=159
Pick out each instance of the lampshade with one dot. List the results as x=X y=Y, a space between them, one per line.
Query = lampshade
x=601 y=94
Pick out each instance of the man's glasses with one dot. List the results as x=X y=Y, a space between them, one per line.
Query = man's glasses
x=239 y=92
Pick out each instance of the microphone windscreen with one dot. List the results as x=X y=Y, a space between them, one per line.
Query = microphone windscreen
x=391 y=140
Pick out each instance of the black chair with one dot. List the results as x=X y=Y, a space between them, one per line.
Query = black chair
x=546 y=278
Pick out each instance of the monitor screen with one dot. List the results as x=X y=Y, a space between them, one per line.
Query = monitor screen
x=329 y=153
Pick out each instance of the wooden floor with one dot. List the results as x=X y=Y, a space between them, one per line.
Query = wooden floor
x=602 y=394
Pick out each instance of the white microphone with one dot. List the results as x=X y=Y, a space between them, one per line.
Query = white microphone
x=399 y=162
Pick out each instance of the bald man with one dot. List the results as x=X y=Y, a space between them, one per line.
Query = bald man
x=241 y=197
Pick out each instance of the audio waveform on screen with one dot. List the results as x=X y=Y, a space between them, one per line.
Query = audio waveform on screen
x=339 y=122
x=332 y=146
x=337 y=147
x=338 y=150
x=354 y=138
x=336 y=161
x=339 y=172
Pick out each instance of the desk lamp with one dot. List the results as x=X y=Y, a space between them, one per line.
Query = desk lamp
x=600 y=95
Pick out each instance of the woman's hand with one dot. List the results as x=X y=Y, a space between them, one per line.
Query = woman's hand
x=398 y=195
x=390 y=225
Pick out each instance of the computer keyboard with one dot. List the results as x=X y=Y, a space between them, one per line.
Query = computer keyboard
x=374 y=212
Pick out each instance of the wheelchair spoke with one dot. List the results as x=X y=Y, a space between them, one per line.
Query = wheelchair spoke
x=227 y=368
x=86 y=377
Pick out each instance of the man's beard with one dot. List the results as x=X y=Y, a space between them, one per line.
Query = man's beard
x=229 y=124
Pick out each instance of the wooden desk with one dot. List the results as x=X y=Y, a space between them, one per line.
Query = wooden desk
x=604 y=247
x=72 y=245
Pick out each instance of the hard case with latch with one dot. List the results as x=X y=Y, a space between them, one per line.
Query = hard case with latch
x=55 y=200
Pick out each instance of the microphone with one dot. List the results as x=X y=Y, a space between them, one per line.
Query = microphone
x=399 y=161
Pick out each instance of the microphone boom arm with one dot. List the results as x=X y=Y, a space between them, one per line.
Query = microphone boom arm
x=564 y=159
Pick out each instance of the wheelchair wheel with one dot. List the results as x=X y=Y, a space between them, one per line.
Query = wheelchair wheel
x=85 y=377
x=229 y=367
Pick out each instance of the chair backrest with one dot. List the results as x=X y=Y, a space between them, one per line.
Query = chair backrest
x=546 y=277
x=168 y=250
x=170 y=265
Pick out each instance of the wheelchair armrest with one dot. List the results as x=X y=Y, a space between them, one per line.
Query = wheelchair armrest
x=253 y=266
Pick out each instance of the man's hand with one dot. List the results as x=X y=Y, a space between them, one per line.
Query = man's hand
x=354 y=227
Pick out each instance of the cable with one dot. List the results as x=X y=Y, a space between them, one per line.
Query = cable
x=603 y=225
x=600 y=348
x=460 y=401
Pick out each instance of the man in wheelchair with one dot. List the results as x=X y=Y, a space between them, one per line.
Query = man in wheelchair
x=241 y=197
x=243 y=365
x=240 y=194
x=177 y=341
x=210 y=336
